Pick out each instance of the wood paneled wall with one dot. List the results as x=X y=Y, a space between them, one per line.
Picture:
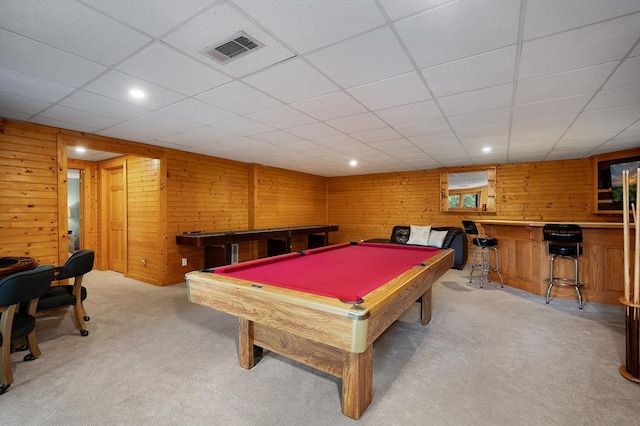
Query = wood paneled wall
x=203 y=194
x=29 y=217
x=368 y=206
x=172 y=192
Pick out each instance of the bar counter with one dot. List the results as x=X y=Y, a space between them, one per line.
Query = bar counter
x=524 y=261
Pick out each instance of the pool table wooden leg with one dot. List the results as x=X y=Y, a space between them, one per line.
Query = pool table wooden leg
x=357 y=382
x=247 y=351
x=425 y=307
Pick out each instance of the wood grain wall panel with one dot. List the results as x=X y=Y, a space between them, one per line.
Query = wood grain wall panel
x=368 y=206
x=203 y=194
x=29 y=219
x=285 y=198
x=143 y=210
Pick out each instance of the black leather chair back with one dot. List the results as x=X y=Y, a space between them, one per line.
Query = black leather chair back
x=26 y=285
x=80 y=263
x=562 y=233
x=470 y=227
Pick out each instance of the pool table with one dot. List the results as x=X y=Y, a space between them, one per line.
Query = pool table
x=324 y=307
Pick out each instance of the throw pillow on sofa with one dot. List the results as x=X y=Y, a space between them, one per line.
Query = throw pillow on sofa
x=419 y=235
x=436 y=238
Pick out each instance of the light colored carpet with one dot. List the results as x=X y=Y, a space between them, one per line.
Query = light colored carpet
x=489 y=356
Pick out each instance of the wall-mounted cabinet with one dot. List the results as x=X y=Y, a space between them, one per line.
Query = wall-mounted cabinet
x=608 y=179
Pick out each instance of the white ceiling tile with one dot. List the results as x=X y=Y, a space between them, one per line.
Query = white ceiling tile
x=438 y=125
x=546 y=123
x=477 y=100
x=564 y=84
x=629 y=114
x=438 y=150
x=117 y=85
x=135 y=131
x=531 y=111
x=476 y=72
x=475 y=147
x=57 y=24
x=390 y=92
x=612 y=98
x=434 y=138
x=166 y=121
x=537 y=140
x=400 y=9
x=333 y=105
x=239 y=98
x=420 y=111
x=388 y=144
x=243 y=126
x=627 y=75
x=335 y=141
x=63 y=124
x=14 y=115
x=616 y=145
x=314 y=131
x=20 y=84
x=551 y=16
x=291 y=81
x=151 y=16
x=282 y=117
x=102 y=105
x=595 y=44
x=369 y=57
x=198 y=112
x=165 y=67
x=45 y=62
x=460 y=29
x=218 y=24
x=19 y=104
x=201 y=136
x=307 y=25
x=304 y=146
x=70 y=115
x=356 y=123
x=277 y=137
x=479 y=119
x=567 y=155
x=375 y=135
x=498 y=130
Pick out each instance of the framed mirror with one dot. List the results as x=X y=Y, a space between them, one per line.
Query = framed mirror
x=468 y=189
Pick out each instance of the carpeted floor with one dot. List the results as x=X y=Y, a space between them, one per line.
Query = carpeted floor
x=489 y=356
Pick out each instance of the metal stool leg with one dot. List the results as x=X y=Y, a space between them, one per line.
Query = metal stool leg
x=550 y=279
x=496 y=268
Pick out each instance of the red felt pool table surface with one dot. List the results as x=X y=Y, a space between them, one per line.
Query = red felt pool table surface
x=345 y=271
x=293 y=305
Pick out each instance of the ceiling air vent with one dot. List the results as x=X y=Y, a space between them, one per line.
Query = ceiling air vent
x=232 y=48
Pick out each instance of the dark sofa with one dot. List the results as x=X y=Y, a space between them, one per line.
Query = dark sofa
x=455 y=239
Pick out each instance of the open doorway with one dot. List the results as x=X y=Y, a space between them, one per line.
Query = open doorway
x=74 y=208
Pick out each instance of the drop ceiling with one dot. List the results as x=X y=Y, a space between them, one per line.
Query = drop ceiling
x=396 y=85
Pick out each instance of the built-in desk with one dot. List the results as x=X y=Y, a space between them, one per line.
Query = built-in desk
x=524 y=261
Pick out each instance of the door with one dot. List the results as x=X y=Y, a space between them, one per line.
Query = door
x=116 y=219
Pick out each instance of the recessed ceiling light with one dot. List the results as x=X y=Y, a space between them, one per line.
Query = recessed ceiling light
x=136 y=93
x=486 y=149
x=81 y=149
x=353 y=163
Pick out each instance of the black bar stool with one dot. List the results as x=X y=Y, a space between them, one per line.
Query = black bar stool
x=563 y=242
x=482 y=248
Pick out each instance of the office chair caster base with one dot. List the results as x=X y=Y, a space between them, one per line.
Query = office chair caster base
x=3 y=388
x=29 y=357
x=84 y=332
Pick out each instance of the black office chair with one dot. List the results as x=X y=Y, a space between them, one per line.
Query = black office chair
x=563 y=242
x=15 y=289
x=482 y=247
x=63 y=296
